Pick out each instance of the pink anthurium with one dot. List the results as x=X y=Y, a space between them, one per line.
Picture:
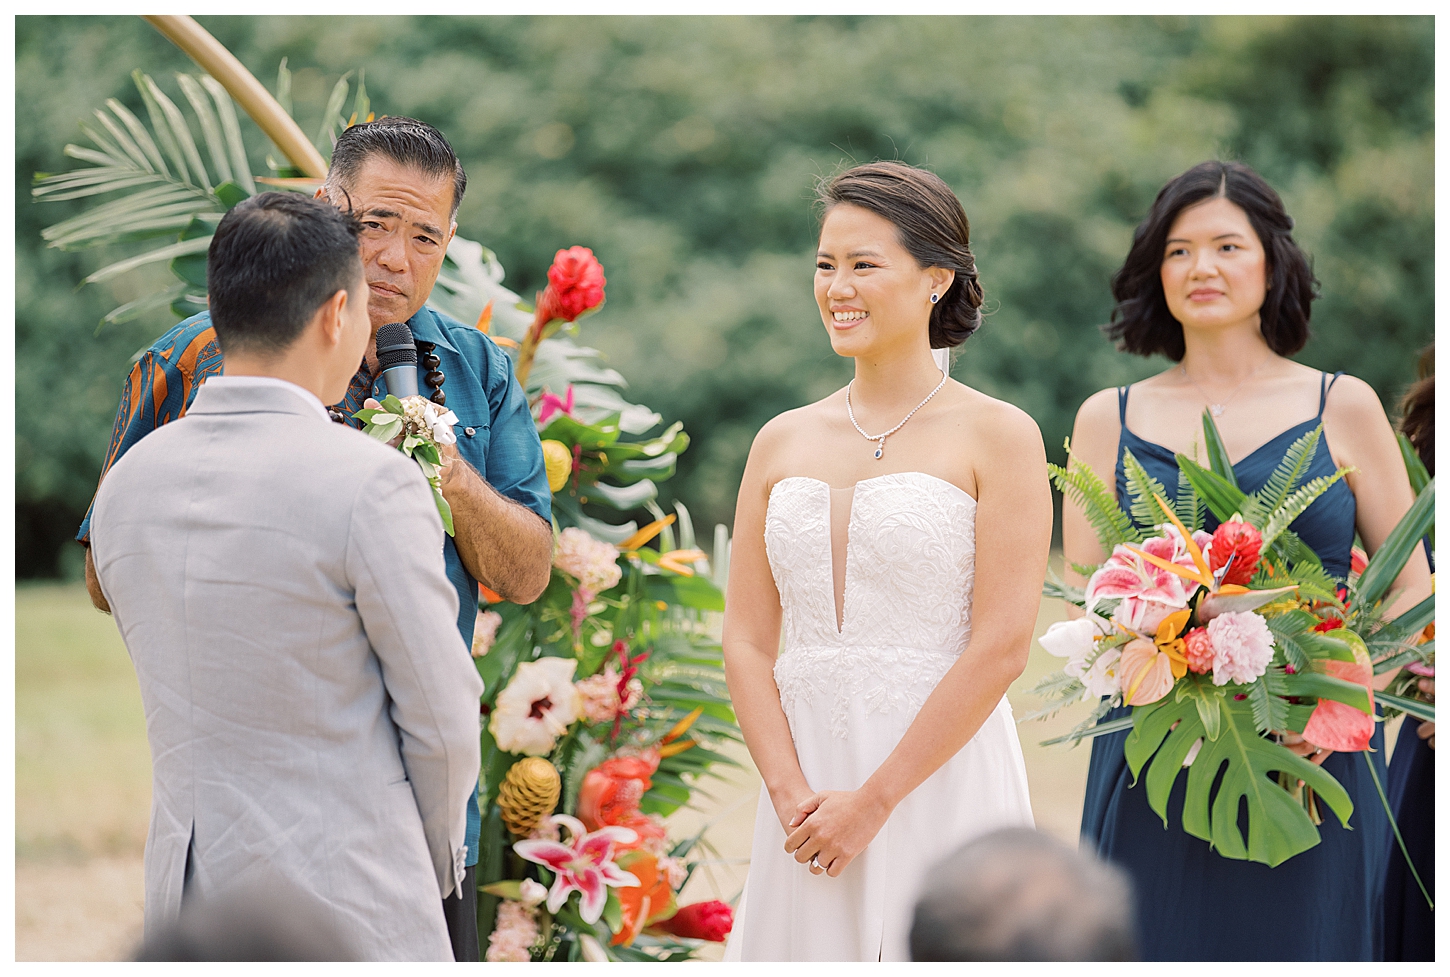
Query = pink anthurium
x=1335 y=725
x=585 y=863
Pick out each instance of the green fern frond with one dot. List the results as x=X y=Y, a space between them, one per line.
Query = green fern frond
x=1188 y=506
x=1141 y=489
x=1287 y=629
x=1314 y=582
x=1270 y=711
x=1082 y=486
x=1290 y=470
x=1294 y=505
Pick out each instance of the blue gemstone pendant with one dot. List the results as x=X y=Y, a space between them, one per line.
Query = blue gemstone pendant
x=880 y=449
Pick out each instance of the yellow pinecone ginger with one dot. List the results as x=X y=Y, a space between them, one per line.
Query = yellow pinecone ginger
x=528 y=794
x=558 y=463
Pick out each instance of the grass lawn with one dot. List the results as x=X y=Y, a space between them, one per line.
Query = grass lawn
x=83 y=782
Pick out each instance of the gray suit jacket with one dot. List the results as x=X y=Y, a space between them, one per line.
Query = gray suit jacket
x=313 y=713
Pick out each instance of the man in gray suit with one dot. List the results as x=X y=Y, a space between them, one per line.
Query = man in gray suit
x=311 y=708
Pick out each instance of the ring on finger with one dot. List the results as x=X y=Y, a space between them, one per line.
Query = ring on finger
x=815 y=864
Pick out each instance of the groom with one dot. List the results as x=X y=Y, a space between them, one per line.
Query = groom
x=402 y=179
x=311 y=708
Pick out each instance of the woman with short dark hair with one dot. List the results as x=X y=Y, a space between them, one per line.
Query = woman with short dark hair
x=895 y=535
x=1215 y=282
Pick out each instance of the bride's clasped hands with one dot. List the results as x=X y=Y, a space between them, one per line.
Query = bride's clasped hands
x=830 y=828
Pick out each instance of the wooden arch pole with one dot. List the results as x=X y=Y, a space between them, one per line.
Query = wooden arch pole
x=243 y=86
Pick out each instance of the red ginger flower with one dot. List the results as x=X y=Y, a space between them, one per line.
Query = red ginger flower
x=1198 y=649
x=1329 y=624
x=1240 y=541
x=711 y=920
x=576 y=285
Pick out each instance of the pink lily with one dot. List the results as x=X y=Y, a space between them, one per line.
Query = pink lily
x=550 y=404
x=586 y=863
x=1129 y=576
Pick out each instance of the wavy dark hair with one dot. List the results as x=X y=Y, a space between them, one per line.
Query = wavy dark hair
x=1141 y=322
x=930 y=225
x=1418 y=410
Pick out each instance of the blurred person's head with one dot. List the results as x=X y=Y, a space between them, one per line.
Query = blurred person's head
x=894 y=266
x=1017 y=894
x=1215 y=252
x=402 y=180
x=250 y=923
x=286 y=292
x=1417 y=410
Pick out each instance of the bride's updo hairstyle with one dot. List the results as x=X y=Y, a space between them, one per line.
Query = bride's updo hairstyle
x=1141 y=322
x=931 y=226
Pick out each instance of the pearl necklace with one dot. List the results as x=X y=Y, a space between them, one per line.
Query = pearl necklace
x=880 y=439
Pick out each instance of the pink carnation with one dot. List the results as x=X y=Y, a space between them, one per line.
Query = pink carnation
x=1242 y=647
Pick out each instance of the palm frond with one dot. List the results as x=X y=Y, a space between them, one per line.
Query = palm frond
x=193 y=246
x=1290 y=470
x=1141 y=489
x=227 y=113
x=134 y=139
x=332 y=115
x=1294 y=505
x=211 y=128
x=173 y=132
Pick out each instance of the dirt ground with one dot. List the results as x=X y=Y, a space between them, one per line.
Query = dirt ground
x=82 y=784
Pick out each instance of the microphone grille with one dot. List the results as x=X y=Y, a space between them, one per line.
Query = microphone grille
x=395 y=346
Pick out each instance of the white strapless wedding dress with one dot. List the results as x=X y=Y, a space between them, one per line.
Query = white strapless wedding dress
x=850 y=693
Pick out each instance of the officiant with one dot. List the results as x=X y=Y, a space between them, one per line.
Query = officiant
x=402 y=180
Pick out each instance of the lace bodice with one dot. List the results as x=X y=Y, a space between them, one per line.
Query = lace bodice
x=907 y=596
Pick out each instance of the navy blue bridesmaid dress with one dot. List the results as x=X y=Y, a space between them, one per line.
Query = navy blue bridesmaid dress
x=1409 y=923
x=1194 y=904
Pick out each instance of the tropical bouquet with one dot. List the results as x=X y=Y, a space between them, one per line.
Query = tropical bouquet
x=605 y=699
x=1222 y=642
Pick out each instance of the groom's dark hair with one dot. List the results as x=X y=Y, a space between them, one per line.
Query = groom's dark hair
x=273 y=260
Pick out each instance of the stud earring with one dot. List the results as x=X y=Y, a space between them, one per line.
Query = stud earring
x=934 y=297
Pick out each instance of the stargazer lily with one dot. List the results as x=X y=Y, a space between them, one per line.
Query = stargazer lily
x=1220 y=599
x=585 y=864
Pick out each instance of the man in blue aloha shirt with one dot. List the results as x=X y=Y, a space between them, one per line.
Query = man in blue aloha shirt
x=402 y=180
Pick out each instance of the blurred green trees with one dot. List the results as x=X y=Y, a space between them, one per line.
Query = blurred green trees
x=683 y=151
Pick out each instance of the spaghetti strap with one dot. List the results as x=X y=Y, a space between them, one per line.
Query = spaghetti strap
x=1123 y=406
x=1324 y=389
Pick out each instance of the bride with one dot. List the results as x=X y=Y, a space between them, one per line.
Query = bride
x=896 y=533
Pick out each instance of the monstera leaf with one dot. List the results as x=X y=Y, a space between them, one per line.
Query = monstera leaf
x=1278 y=826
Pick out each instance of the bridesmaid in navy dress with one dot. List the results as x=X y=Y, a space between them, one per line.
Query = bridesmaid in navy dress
x=1215 y=282
x=1409 y=922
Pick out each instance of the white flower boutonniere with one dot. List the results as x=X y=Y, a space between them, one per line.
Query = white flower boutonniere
x=424 y=426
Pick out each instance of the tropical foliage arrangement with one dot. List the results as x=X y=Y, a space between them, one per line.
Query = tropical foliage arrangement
x=1220 y=641
x=605 y=699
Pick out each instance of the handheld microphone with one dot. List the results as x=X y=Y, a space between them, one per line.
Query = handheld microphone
x=398 y=359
